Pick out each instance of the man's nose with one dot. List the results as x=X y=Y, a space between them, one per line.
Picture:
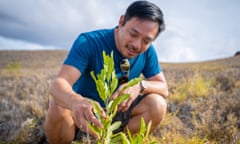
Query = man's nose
x=136 y=44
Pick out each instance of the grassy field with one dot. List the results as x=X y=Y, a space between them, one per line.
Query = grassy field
x=203 y=106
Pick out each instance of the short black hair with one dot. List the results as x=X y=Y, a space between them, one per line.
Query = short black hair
x=145 y=10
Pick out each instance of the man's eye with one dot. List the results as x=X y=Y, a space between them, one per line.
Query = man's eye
x=146 y=42
x=132 y=34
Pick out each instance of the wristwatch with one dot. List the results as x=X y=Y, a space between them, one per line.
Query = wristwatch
x=143 y=85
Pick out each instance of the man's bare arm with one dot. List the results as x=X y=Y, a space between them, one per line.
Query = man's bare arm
x=61 y=88
x=157 y=84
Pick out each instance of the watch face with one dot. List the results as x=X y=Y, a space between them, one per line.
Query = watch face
x=144 y=84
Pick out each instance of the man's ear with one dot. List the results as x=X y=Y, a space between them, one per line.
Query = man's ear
x=121 y=21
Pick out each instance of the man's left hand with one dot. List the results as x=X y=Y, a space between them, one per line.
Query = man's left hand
x=133 y=91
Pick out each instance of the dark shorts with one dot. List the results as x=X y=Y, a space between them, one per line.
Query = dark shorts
x=124 y=117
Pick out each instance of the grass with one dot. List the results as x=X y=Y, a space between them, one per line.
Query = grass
x=203 y=106
x=192 y=87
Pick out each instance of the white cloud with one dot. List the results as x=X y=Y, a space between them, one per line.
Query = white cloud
x=55 y=22
x=10 y=44
x=173 y=48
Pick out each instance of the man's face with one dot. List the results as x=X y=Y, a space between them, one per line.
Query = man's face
x=135 y=36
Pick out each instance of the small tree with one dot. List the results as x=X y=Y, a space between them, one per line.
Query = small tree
x=106 y=84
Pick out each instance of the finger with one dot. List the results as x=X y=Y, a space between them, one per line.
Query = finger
x=84 y=127
x=114 y=96
x=103 y=114
x=89 y=131
x=78 y=120
x=81 y=123
x=126 y=107
x=121 y=106
x=90 y=117
x=117 y=92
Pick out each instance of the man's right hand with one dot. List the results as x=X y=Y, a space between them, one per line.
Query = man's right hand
x=82 y=111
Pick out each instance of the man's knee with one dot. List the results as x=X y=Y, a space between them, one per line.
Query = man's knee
x=57 y=121
x=57 y=112
x=157 y=108
x=57 y=115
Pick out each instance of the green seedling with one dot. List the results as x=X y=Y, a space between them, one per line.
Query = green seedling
x=106 y=84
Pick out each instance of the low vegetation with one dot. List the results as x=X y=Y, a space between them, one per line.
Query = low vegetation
x=203 y=106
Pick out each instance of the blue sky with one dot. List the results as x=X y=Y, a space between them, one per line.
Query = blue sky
x=196 y=30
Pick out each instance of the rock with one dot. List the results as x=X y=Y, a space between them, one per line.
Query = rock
x=237 y=53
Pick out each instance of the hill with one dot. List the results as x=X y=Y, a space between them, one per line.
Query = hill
x=203 y=106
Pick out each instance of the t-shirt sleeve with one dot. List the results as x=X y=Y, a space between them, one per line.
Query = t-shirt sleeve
x=152 y=65
x=78 y=55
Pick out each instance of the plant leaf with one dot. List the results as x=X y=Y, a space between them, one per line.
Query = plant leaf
x=114 y=126
x=94 y=128
x=148 y=128
x=143 y=126
x=97 y=111
x=116 y=139
x=124 y=138
x=131 y=83
x=119 y=99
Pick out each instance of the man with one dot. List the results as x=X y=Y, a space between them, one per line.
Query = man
x=71 y=90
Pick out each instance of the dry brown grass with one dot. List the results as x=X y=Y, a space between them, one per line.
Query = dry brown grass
x=25 y=77
x=203 y=107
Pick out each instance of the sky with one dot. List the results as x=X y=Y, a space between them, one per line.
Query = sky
x=196 y=30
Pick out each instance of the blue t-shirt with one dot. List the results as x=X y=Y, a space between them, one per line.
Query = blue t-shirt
x=86 y=56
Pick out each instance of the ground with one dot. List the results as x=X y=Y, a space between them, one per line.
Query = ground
x=203 y=106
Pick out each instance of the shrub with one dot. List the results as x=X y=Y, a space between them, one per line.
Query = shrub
x=195 y=86
x=14 y=68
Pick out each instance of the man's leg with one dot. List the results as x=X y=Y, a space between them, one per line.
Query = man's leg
x=152 y=107
x=59 y=125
